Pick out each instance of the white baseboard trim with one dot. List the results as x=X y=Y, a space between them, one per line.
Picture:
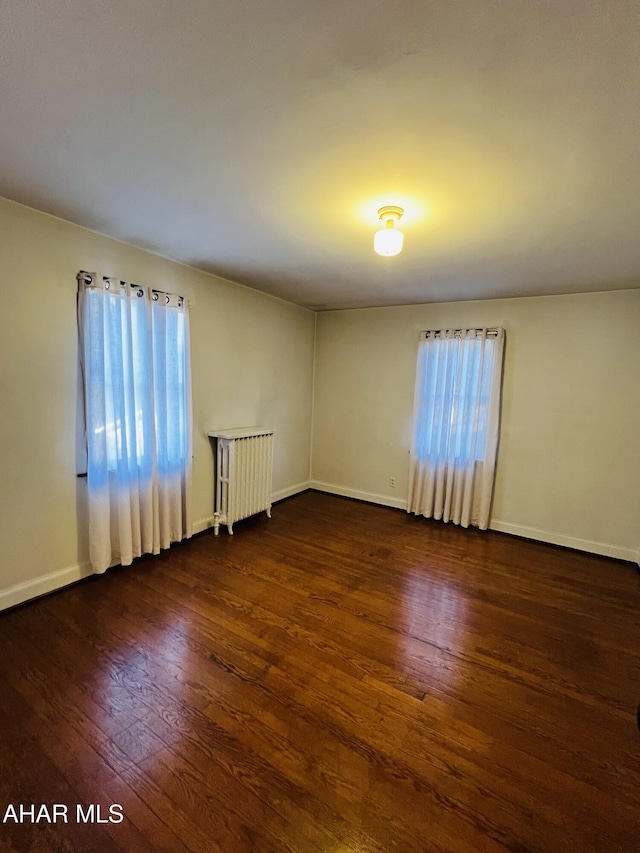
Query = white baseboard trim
x=369 y=497
x=602 y=548
x=21 y=592
x=281 y=494
x=203 y=524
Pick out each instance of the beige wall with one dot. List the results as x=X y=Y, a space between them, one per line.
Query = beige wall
x=569 y=459
x=252 y=362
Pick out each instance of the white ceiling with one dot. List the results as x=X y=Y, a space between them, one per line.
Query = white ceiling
x=256 y=140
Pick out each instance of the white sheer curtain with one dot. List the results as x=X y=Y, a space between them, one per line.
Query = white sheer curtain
x=134 y=349
x=456 y=425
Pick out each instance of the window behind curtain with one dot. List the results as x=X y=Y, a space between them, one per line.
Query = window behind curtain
x=118 y=381
x=456 y=425
x=453 y=408
x=134 y=346
x=169 y=343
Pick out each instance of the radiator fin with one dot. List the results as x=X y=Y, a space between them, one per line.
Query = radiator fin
x=244 y=464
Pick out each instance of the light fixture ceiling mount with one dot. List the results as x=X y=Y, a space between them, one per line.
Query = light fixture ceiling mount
x=388 y=240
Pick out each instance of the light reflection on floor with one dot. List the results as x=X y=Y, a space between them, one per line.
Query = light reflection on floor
x=144 y=715
x=434 y=615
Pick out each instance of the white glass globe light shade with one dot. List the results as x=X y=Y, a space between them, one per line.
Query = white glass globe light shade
x=388 y=241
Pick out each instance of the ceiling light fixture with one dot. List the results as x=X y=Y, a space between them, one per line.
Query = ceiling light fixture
x=388 y=241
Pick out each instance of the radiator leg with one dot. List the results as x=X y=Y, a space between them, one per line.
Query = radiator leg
x=216 y=529
x=230 y=529
x=269 y=512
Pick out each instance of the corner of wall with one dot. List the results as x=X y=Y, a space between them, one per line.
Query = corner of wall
x=313 y=393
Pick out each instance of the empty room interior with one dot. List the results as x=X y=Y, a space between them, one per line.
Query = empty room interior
x=320 y=426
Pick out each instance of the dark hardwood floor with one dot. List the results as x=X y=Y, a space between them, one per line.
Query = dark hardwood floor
x=340 y=678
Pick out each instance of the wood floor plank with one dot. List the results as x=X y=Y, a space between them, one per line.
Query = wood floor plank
x=342 y=677
x=544 y=702
x=219 y=681
x=332 y=699
x=258 y=782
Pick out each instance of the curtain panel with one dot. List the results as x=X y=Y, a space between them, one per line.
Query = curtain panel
x=456 y=425
x=134 y=352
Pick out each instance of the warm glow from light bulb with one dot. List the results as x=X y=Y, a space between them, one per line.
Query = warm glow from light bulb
x=388 y=241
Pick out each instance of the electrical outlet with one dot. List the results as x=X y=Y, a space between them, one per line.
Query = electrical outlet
x=392 y=482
